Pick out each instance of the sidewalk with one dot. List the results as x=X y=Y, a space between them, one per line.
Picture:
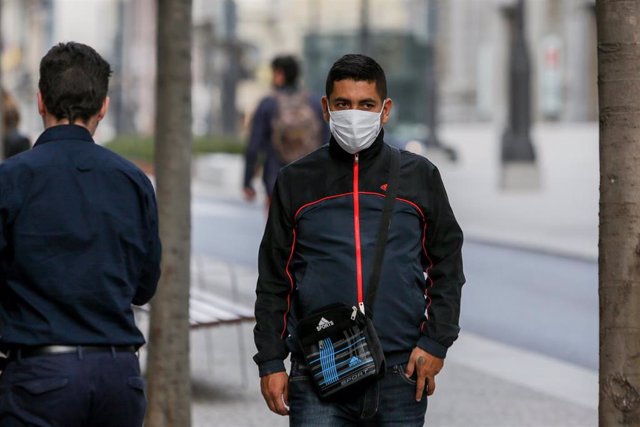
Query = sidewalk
x=484 y=383
x=466 y=396
x=560 y=217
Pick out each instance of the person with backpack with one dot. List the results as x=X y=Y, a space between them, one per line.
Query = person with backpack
x=14 y=141
x=286 y=126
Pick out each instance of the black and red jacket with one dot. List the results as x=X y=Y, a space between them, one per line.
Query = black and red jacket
x=319 y=243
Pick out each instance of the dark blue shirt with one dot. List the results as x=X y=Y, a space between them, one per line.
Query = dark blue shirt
x=78 y=243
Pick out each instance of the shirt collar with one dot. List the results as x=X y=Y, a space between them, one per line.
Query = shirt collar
x=64 y=132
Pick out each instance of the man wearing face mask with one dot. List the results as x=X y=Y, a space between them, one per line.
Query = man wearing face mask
x=318 y=249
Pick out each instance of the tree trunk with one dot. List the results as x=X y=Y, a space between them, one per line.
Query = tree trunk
x=169 y=373
x=2 y=129
x=619 y=262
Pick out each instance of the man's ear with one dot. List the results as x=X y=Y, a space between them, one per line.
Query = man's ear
x=103 y=109
x=42 y=109
x=325 y=108
x=386 y=110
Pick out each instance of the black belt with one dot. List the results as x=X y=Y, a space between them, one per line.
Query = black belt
x=42 y=350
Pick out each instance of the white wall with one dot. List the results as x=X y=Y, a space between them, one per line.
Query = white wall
x=91 y=22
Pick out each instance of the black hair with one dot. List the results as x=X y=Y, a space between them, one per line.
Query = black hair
x=11 y=113
x=74 y=80
x=289 y=67
x=359 y=68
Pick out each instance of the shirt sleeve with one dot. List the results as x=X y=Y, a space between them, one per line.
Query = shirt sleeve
x=150 y=271
x=5 y=209
x=275 y=284
x=259 y=137
x=13 y=180
x=445 y=277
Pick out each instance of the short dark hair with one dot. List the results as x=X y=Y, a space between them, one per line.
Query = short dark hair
x=74 y=80
x=359 y=68
x=11 y=114
x=289 y=67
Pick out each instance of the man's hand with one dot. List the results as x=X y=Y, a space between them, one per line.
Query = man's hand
x=275 y=390
x=249 y=194
x=426 y=368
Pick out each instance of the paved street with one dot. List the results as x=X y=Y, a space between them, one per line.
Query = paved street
x=528 y=352
x=528 y=299
x=484 y=383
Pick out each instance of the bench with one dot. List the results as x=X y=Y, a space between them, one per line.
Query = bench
x=209 y=310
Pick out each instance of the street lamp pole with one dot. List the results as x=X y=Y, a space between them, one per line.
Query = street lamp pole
x=431 y=83
x=516 y=142
x=431 y=91
x=365 y=33
x=230 y=76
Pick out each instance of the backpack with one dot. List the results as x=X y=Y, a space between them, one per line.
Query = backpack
x=296 y=128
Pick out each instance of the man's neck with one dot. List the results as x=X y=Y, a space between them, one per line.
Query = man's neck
x=51 y=121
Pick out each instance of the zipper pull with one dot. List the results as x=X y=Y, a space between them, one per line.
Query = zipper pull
x=353 y=314
x=361 y=305
x=357 y=157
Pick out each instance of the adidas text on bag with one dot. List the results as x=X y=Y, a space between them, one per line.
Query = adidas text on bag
x=324 y=324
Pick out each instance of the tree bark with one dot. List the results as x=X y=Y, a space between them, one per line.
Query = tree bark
x=619 y=247
x=169 y=373
x=2 y=129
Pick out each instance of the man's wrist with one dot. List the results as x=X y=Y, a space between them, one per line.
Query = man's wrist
x=432 y=347
x=271 y=367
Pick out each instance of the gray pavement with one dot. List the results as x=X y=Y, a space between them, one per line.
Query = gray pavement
x=560 y=217
x=484 y=383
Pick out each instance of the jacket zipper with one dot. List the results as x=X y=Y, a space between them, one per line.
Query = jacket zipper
x=356 y=227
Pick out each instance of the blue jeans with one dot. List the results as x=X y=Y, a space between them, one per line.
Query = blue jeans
x=101 y=389
x=388 y=402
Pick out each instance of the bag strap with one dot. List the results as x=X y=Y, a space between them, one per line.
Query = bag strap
x=383 y=231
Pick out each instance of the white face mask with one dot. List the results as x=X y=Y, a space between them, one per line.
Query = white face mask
x=355 y=130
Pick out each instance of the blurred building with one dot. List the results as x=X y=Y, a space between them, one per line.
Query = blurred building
x=472 y=51
x=26 y=34
x=134 y=59
x=235 y=40
x=31 y=27
x=472 y=42
x=562 y=48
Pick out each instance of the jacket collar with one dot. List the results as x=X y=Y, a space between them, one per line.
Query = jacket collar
x=375 y=148
x=64 y=132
